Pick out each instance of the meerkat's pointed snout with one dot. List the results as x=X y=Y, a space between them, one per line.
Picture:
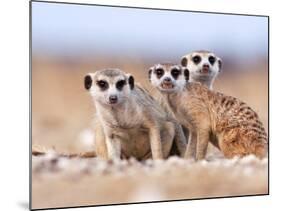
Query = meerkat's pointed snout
x=113 y=99
x=167 y=79
x=205 y=68
x=88 y=82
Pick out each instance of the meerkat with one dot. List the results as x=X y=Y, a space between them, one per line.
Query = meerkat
x=203 y=66
x=129 y=121
x=226 y=122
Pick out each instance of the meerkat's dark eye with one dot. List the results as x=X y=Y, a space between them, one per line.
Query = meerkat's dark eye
x=175 y=72
x=120 y=84
x=159 y=72
x=212 y=60
x=196 y=59
x=102 y=84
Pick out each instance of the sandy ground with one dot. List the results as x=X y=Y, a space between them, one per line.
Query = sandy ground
x=61 y=118
x=59 y=182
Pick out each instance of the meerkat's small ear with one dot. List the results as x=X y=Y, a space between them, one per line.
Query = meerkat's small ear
x=131 y=81
x=150 y=72
x=184 y=61
x=186 y=74
x=220 y=64
x=88 y=82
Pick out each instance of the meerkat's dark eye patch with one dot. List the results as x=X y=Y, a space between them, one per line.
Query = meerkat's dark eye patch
x=196 y=59
x=175 y=72
x=159 y=72
x=212 y=60
x=103 y=85
x=120 y=84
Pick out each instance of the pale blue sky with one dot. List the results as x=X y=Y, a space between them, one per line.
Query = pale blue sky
x=64 y=29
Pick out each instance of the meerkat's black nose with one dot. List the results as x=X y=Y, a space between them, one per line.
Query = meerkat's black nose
x=206 y=66
x=113 y=99
x=167 y=79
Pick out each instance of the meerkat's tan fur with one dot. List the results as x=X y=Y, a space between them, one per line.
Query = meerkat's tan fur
x=210 y=116
x=134 y=124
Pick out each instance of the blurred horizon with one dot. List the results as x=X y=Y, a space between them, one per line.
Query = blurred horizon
x=65 y=31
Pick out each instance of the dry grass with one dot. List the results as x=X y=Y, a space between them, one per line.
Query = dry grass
x=62 y=110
